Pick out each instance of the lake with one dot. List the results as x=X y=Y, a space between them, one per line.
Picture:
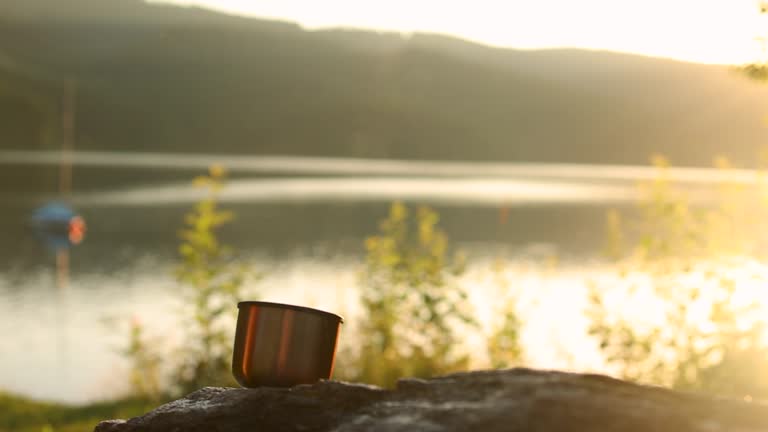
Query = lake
x=300 y=223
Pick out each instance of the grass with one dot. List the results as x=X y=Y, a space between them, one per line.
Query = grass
x=20 y=414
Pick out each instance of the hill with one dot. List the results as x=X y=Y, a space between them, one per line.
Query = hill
x=165 y=78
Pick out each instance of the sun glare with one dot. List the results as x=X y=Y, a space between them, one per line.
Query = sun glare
x=691 y=30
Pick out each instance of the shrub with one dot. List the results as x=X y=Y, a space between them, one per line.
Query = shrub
x=212 y=282
x=685 y=272
x=412 y=301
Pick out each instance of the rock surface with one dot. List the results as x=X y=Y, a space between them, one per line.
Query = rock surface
x=507 y=400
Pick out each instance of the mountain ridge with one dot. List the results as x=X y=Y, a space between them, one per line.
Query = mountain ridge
x=165 y=78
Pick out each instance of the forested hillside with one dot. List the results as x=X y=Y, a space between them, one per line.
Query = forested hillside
x=169 y=79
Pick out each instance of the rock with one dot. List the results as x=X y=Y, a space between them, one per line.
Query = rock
x=506 y=400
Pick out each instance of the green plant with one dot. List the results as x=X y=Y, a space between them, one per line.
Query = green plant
x=214 y=281
x=145 y=375
x=685 y=267
x=411 y=299
x=503 y=344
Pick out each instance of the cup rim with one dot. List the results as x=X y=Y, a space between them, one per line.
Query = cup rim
x=289 y=306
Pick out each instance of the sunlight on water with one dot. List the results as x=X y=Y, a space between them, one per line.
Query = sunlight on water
x=319 y=179
x=300 y=165
x=59 y=343
x=492 y=192
x=70 y=349
x=64 y=345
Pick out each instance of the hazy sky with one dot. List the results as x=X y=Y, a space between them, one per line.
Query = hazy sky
x=711 y=31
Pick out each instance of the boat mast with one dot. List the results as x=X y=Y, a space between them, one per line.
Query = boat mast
x=67 y=138
x=65 y=171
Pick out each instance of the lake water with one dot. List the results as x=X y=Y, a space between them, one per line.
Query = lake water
x=301 y=223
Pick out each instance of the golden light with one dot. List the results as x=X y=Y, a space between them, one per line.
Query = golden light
x=725 y=32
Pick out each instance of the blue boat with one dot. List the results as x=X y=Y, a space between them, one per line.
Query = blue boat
x=58 y=225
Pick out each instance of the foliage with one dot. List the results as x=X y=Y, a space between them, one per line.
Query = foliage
x=213 y=281
x=690 y=267
x=20 y=414
x=145 y=375
x=503 y=344
x=175 y=79
x=411 y=299
x=756 y=71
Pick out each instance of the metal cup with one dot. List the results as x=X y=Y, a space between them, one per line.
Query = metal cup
x=279 y=345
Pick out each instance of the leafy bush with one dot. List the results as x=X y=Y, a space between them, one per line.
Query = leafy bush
x=684 y=276
x=213 y=281
x=503 y=344
x=413 y=304
x=145 y=376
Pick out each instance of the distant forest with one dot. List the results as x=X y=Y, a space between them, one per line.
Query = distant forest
x=164 y=78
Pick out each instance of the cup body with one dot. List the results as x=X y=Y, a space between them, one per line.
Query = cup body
x=278 y=345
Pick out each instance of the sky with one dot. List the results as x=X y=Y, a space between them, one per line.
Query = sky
x=706 y=31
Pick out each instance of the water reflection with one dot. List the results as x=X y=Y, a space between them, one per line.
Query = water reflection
x=58 y=346
x=472 y=191
x=66 y=350
x=299 y=165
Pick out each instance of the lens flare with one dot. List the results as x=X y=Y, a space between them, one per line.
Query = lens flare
x=76 y=230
